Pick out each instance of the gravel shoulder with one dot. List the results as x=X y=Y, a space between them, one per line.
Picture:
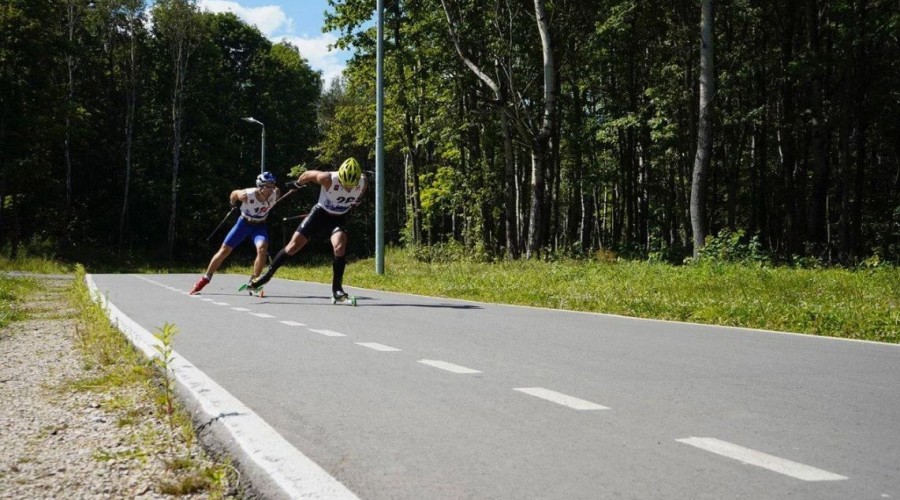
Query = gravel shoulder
x=63 y=435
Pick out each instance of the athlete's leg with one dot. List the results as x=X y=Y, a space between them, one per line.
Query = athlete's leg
x=218 y=259
x=238 y=233
x=262 y=248
x=339 y=242
x=298 y=241
x=214 y=264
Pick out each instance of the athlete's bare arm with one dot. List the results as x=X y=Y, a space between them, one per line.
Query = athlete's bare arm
x=238 y=195
x=317 y=176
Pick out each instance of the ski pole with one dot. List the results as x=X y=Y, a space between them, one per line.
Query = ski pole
x=294 y=217
x=220 y=224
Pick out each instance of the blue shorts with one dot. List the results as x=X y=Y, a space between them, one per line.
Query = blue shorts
x=243 y=229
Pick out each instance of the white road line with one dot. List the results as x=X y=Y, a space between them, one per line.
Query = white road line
x=207 y=300
x=560 y=398
x=221 y=303
x=760 y=459
x=262 y=315
x=378 y=347
x=450 y=367
x=328 y=333
x=241 y=309
x=292 y=323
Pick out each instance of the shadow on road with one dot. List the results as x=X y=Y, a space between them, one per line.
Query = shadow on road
x=361 y=301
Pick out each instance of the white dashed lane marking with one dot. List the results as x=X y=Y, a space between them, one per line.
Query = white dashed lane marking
x=760 y=459
x=560 y=398
x=378 y=347
x=241 y=309
x=221 y=303
x=450 y=367
x=262 y=315
x=328 y=333
x=292 y=323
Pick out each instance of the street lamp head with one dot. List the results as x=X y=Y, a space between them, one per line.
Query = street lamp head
x=250 y=119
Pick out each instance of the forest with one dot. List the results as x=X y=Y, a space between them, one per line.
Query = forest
x=513 y=129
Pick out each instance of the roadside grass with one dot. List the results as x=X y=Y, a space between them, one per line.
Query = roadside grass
x=13 y=290
x=855 y=304
x=131 y=381
x=37 y=265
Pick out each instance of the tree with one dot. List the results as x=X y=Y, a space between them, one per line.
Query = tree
x=704 y=133
x=176 y=23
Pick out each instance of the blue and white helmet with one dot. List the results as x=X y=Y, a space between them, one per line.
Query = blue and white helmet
x=265 y=178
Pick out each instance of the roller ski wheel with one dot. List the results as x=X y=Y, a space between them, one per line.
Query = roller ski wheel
x=343 y=298
x=258 y=292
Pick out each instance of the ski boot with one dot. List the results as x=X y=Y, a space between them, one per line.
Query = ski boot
x=202 y=282
x=342 y=297
x=252 y=289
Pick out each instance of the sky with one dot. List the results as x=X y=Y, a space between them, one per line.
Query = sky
x=297 y=21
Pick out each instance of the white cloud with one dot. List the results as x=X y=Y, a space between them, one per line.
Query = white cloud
x=315 y=50
x=276 y=25
x=270 y=19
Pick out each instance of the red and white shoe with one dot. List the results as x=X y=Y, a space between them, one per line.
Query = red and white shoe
x=202 y=282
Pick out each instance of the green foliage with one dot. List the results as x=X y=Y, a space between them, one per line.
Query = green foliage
x=627 y=75
x=733 y=247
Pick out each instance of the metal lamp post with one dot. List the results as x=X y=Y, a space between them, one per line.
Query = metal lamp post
x=379 y=141
x=262 y=153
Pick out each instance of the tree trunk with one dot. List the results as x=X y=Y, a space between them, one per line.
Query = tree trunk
x=129 y=121
x=787 y=139
x=817 y=214
x=540 y=143
x=704 y=133
x=509 y=176
x=182 y=43
x=71 y=21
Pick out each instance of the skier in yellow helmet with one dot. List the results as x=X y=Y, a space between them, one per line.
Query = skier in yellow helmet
x=340 y=191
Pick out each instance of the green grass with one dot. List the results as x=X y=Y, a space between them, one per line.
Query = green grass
x=35 y=265
x=858 y=304
x=12 y=292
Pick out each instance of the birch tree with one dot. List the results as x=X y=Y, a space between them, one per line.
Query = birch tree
x=177 y=24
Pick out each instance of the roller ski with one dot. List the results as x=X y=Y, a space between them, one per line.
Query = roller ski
x=252 y=290
x=202 y=282
x=342 y=297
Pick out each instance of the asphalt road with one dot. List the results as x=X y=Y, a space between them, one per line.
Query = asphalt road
x=416 y=397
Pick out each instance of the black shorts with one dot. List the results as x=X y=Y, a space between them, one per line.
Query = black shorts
x=319 y=221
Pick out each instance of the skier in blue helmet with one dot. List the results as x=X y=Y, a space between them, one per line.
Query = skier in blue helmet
x=255 y=204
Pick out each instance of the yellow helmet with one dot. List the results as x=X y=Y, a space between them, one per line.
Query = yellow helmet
x=349 y=173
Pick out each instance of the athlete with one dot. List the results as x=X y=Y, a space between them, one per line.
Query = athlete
x=255 y=204
x=340 y=191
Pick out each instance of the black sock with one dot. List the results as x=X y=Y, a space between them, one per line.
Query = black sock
x=337 y=277
x=277 y=262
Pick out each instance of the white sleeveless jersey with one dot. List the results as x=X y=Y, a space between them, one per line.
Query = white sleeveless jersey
x=338 y=200
x=254 y=209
